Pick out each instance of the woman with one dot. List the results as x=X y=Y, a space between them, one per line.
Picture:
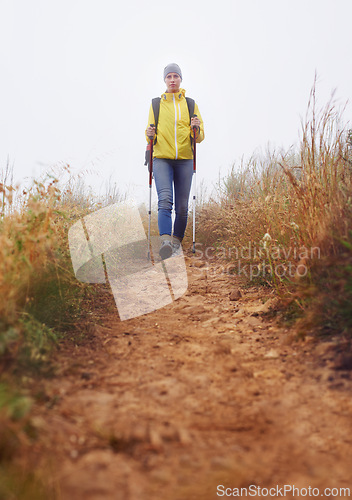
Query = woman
x=173 y=158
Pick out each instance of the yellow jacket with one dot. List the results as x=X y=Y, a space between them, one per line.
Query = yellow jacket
x=174 y=130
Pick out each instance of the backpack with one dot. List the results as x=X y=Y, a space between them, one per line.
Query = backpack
x=156 y=109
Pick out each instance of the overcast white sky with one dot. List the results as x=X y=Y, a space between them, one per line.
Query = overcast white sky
x=77 y=77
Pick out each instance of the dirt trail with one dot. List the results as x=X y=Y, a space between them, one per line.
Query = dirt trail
x=204 y=392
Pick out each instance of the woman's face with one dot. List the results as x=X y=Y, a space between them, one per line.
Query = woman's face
x=173 y=82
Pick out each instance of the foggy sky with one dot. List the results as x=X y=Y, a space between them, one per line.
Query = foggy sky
x=77 y=77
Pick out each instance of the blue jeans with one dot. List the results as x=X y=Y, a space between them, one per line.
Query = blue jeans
x=172 y=176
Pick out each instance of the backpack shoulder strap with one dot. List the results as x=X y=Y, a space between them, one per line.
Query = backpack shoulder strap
x=190 y=104
x=156 y=108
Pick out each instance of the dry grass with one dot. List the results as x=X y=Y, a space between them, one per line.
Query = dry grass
x=288 y=217
x=32 y=245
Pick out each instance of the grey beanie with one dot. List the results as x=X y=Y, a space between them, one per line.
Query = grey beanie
x=172 y=68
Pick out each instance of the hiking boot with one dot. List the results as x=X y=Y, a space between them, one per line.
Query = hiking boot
x=166 y=249
x=176 y=247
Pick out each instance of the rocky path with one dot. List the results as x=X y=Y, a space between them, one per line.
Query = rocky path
x=202 y=395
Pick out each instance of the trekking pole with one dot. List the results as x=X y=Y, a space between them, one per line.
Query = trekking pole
x=150 y=190
x=194 y=188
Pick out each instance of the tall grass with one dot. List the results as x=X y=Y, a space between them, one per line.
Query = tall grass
x=32 y=248
x=292 y=213
x=40 y=296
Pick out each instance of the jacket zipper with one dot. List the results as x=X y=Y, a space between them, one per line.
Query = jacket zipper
x=175 y=125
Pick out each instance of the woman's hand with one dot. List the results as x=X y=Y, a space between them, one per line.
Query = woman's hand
x=150 y=132
x=195 y=122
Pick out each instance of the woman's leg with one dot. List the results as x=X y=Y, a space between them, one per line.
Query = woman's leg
x=183 y=171
x=163 y=176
